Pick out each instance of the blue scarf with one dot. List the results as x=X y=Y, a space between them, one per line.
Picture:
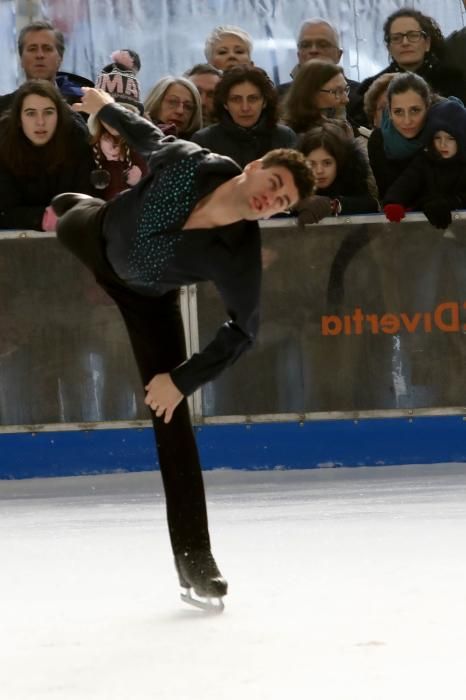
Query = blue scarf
x=396 y=146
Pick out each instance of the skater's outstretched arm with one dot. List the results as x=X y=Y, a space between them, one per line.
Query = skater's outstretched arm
x=139 y=133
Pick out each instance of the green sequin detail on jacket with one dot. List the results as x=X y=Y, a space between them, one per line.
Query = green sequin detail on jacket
x=166 y=207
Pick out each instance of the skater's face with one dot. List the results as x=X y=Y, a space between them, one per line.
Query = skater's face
x=38 y=119
x=40 y=57
x=245 y=103
x=324 y=167
x=267 y=191
x=445 y=144
x=177 y=107
x=408 y=113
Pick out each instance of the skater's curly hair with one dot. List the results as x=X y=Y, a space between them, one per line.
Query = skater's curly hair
x=298 y=166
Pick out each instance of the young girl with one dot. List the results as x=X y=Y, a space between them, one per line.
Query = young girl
x=435 y=182
x=341 y=173
x=43 y=152
x=118 y=166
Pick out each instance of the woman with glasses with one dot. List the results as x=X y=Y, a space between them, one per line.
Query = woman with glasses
x=318 y=92
x=415 y=43
x=245 y=105
x=174 y=105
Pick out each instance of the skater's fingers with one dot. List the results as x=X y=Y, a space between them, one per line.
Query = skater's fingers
x=168 y=414
x=159 y=411
x=78 y=107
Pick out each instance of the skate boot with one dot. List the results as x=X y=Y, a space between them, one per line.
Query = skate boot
x=199 y=574
x=62 y=203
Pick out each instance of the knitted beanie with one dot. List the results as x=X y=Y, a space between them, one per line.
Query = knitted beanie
x=119 y=80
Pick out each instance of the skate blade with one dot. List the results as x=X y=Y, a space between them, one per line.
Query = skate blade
x=209 y=605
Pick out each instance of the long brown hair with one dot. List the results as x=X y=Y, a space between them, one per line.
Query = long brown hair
x=16 y=151
x=300 y=110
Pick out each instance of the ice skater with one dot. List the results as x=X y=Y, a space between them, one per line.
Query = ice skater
x=192 y=218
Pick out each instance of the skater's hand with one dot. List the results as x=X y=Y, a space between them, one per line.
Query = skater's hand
x=92 y=101
x=163 y=396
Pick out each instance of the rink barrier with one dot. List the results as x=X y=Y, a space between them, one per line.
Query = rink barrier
x=360 y=360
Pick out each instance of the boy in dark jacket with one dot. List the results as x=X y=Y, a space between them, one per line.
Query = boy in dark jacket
x=192 y=218
x=435 y=182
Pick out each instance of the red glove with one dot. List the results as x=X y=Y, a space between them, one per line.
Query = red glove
x=49 y=220
x=394 y=212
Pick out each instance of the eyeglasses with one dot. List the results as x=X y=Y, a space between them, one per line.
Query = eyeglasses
x=413 y=37
x=175 y=103
x=320 y=44
x=337 y=92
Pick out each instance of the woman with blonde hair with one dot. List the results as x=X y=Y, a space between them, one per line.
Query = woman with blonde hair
x=174 y=105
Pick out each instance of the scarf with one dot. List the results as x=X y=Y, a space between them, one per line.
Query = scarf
x=396 y=146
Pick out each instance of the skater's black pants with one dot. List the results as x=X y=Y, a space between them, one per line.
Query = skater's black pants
x=156 y=333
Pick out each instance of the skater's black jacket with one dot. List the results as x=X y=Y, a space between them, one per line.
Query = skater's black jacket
x=149 y=251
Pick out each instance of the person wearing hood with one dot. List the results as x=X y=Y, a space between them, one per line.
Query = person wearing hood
x=245 y=104
x=435 y=182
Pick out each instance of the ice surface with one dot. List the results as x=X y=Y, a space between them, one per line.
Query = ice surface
x=345 y=584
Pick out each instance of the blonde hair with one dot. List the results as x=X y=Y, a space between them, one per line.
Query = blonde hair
x=216 y=35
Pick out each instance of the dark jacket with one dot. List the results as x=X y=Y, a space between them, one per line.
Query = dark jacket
x=152 y=254
x=429 y=176
x=244 y=145
x=351 y=187
x=68 y=84
x=444 y=80
x=23 y=199
x=386 y=170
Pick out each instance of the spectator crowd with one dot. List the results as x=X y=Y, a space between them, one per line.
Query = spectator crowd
x=393 y=143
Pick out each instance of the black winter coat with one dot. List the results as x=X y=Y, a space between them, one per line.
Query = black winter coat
x=23 y=200
x=386 y=170
x=351 y=187
x=429 y=177
x=244 y=145
x=445 y=80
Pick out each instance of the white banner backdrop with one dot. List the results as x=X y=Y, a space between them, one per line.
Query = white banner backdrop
x=169 y=35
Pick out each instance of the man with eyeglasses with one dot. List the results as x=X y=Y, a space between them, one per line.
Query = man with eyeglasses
x=318 y=39
x=193 y=218
x=415 y=43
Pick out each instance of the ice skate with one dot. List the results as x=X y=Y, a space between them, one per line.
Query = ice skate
x=66 y=201
x=199 y=576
